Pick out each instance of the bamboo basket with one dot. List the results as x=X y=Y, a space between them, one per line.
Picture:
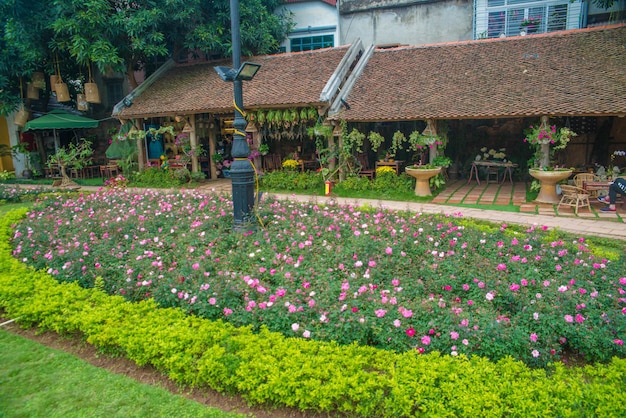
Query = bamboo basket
x=54 y=79
x=38 y=80
x=81 y=102
x=91 y=93
x=21 y=117
x=32 y=92
x=63 y=94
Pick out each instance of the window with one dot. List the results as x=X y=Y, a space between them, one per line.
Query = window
x=499 y=18
x=115 y=91
x=312 y=42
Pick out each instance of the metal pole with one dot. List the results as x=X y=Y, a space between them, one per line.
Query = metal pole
x=242 y=173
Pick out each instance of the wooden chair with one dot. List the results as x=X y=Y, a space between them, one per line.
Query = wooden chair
x=575 y=197
x=493 y=175
x=272 y=162
x=366 y=170
x=579 y=179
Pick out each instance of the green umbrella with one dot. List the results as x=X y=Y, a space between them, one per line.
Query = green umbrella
x=60 y=119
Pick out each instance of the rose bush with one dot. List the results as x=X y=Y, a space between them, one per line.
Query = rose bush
x=394 y=280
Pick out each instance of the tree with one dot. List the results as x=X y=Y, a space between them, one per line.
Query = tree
x=75 y=156
x=124 y=36
x=23 y=47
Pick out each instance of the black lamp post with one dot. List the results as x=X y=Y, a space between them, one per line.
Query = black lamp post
x=241 y=171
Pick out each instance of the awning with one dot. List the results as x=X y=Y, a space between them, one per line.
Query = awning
x=60 y=119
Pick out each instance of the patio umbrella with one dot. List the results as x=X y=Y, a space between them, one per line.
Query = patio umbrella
x=60 y=119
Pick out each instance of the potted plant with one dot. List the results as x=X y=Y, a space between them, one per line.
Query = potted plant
x=546 y=140
x=20 y=151
x=530 y=25
x=264 y=149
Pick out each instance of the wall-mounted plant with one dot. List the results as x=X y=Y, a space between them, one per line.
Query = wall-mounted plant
x=320 y=130
x=397 y=143
x=376 y=140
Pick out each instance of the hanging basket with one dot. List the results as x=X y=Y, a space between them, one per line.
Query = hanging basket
x=32 y=92
x=91 y=93
x=38 y=81
x=54 y=79
x=81 y=102
x=63 y=94
x=21 y=117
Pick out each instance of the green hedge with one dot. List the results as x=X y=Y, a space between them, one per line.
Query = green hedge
x=268 y=368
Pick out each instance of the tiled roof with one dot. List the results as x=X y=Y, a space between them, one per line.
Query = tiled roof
x=581 y=72
x=284 y=80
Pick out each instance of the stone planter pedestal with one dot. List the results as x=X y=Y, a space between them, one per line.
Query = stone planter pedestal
x=548 y=180
x=422 y=176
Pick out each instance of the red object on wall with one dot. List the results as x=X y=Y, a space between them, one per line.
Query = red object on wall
x=29 y=138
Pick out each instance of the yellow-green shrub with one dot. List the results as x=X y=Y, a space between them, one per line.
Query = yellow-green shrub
x=269 y=368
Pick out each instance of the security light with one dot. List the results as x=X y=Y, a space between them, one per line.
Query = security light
x=247 y=71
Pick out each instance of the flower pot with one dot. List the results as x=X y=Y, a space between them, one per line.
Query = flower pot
x=548 y=180
x=422 y=177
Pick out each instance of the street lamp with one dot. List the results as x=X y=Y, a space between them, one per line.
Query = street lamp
x=241 y=171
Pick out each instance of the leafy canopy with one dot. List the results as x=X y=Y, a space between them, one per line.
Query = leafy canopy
x=77 y=36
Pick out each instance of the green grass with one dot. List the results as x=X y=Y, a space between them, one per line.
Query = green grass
x=97 y=181
x=4 y=208
x=38 y=381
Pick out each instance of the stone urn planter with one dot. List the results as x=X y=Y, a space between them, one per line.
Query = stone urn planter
x=422 y=177
x=548 y=180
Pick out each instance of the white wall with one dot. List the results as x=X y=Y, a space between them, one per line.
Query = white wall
x=416 y=23
x=312 y=16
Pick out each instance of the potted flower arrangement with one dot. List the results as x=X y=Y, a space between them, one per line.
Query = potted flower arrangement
x=614 y=169
x=546 y=140
x=530 y=25
x=429 y=174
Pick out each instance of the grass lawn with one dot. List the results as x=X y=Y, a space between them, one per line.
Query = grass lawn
x=38 y=381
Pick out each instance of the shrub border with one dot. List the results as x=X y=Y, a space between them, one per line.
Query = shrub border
x=269 y=368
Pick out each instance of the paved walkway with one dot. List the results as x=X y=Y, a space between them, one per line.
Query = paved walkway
x=610 y=225
x=595 y=222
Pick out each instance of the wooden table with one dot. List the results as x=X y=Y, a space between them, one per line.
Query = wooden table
x=596 y=185
x=395 y=164
x=508 y=169
x=308 y=165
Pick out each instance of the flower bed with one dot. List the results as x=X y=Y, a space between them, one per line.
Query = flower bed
x=391 y=280
x=271 y=369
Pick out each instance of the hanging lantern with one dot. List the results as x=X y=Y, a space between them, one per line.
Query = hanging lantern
x=38 y=80
x=54 y=79
x=32 y=92
x=21 y=117
x=91 y=93
x=81 y=102
x=63 y=94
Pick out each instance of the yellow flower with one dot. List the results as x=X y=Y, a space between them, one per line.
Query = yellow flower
x=384 y=169
x=290 y=164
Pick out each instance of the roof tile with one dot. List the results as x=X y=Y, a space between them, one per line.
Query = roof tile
x=579 y=72
x=284 y=80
